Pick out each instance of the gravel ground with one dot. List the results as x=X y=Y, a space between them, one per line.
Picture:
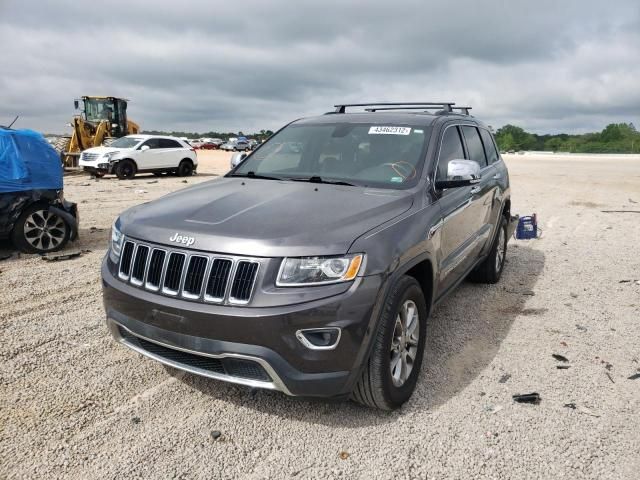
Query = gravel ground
x=74 y=404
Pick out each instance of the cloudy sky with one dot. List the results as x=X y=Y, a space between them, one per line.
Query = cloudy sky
x=547 y=65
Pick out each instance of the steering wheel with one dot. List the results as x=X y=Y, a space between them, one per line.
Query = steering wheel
x=404 y=169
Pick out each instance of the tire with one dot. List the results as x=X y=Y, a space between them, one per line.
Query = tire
x=185 y=169
x=126 y=170
x=380 y=386
x=490 y=270
x=61 y=145
x=37 y=230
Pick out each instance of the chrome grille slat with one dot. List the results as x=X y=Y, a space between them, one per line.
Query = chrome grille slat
x=126 y=258
x=173 y=273
x=243 y=281
x=139 y=266
x=218 y=279
x=155 y=269
x=192 y=276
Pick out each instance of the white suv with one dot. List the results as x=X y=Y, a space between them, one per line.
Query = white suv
x=139 y=154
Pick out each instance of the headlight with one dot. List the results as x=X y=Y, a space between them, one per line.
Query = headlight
x=110 y=155
x=296 y=272
x=116 y=241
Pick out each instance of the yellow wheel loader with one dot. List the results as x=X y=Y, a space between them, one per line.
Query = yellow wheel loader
x=101 y=120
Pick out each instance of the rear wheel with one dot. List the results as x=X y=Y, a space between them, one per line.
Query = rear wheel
x=125 y=170
x=490 y=270
x=185 y=169
x=391 y=373
x=39 y=230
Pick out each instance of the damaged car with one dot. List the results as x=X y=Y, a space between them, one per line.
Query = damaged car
x=33 y=212
x=313 y=266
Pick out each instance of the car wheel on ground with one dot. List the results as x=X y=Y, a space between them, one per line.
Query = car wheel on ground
x=490 y=270
x=390 y=375
x=185 y=169
x=38 y=230
x=125 y=170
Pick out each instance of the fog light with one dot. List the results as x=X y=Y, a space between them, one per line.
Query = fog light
x=320 y=338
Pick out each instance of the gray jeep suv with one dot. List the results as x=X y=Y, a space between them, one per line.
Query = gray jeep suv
x=312 y=266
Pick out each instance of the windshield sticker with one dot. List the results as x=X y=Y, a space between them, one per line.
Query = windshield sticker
x=396 y=179
x=418 y=131
x=379 y=130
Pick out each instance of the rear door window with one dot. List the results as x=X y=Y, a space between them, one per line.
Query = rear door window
x=451 y=149
x=489 y=146
x=168 y=143
x=474 y=145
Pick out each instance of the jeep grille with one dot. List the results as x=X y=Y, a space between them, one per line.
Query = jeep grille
x=192 y=276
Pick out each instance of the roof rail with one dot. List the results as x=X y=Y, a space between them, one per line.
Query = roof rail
x=447 y=106
x=463 y=110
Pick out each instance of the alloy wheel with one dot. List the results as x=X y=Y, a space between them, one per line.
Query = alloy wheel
x=404 y=343
x=500 y=253
x=44 y=230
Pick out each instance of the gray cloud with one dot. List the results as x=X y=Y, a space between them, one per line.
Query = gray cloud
x=548 y=66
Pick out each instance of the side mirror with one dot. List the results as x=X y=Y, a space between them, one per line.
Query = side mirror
x=75 y=104
x=237 y=158
x=144 y=148
x=460 y=173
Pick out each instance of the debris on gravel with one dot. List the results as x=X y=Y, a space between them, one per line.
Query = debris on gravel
x=533 y=398
x=560 y=358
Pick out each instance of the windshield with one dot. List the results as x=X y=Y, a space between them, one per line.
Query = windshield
x=98 y=109
x=385 y=156
x=126 y=142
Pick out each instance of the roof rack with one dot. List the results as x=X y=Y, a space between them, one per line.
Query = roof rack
x=463 y=110
x=446 y=106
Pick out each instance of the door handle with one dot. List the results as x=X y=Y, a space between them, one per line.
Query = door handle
x=497 y=176
x=475 y=190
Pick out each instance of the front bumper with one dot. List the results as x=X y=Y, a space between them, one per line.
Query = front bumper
x=183 y=334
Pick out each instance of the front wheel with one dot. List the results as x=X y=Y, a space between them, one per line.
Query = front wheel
x=39 y=230
x=390 y=375
x=125 y=170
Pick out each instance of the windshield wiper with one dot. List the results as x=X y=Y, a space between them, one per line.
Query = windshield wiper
x=316 y=179
x=253 y=174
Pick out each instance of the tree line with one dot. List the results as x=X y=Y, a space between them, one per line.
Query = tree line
x=615 y=138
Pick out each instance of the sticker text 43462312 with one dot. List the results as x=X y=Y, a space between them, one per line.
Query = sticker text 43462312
x=380 y=130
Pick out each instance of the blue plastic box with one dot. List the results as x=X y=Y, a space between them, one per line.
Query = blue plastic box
x=527 y=228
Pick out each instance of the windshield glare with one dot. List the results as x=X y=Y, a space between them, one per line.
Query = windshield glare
x=385 y=156
x=126 y=142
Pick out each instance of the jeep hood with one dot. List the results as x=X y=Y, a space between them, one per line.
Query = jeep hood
x=266 y=218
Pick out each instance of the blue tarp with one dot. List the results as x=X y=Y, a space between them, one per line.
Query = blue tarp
x=28 y=162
